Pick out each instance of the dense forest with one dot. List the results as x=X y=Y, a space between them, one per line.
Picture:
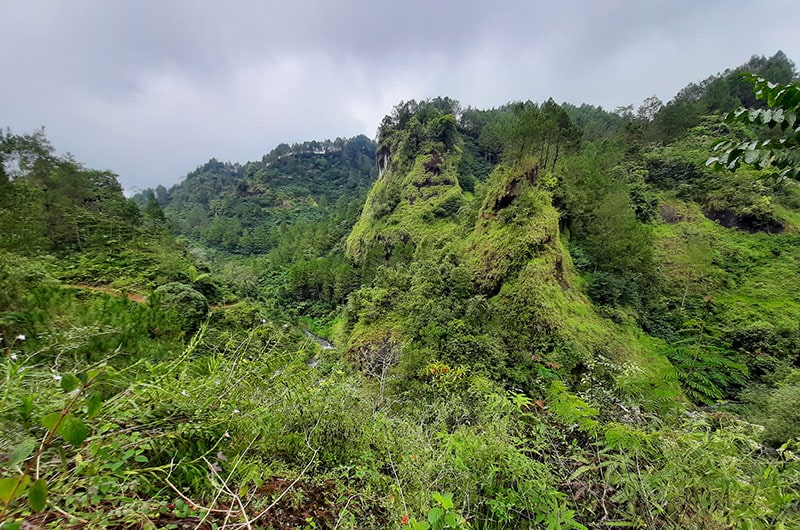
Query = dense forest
x=538 y=315
x=244 y=209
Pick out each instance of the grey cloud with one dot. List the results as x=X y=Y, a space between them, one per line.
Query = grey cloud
x=150 y=88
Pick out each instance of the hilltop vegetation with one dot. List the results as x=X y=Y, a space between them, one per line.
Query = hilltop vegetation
x=244 y=208
x=542 y=316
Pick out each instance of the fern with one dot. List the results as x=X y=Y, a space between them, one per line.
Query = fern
x=571 y=409
x=706 y=373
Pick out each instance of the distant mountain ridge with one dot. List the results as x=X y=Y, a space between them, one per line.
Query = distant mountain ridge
x=236 y=207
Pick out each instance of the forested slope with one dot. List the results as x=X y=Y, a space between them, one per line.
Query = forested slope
x=242 y=208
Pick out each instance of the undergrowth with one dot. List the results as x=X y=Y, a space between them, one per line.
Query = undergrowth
x=241 y=430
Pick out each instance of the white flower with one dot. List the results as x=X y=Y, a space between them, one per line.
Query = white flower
x=285 y=326
x=56 y=377
x=263 y=320
x=226 y=435
x=13 y=356
x=20 y=337
x=184 y=393
x=236 y=411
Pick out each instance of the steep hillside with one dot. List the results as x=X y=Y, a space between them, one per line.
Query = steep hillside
x=238 y=207
x=417 y=192
x=483 y=280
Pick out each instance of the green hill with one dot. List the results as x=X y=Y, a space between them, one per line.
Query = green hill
x=239 y=208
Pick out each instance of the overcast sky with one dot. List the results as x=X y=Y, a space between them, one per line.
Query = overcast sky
x=151 y=89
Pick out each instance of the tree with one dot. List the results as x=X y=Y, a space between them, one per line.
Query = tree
x=779 y=68
x=624 y=111
x=781 y=148
x=649 y=108
x=188 y=307
x=154 y=213
x=162 y=196
x=25 y=155
x=527 y=129
x=562 y=134
x=44 y=196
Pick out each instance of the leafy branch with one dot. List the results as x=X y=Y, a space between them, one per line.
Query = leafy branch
x=782 y=151
x=63 y=423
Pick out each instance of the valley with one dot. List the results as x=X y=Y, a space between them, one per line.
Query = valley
x=536 y=315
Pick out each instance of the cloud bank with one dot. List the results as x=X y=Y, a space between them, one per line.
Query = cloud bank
x=151 y=89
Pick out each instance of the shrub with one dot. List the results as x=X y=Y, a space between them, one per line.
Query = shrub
x=188 y=307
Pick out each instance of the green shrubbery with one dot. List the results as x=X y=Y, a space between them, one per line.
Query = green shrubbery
x=186 y=306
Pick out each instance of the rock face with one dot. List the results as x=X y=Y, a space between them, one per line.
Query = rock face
x=383 y=159
x=417 y=193
x=479 y=279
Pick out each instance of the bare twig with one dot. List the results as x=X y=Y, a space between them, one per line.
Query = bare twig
x=230 y=474
x=227 y=490
x=190 y=502
x=397 y=480
x=247 y=524
x=341 y=514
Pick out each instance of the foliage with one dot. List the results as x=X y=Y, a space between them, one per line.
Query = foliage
x=440 y=517
x=603 y=213
x=517 y=318
x=64 y=424
x=527 y=129
x=780 y=150
x=721 y=484
x=775 y=408
x=50 y=202
x=716 y=94
x=188 y=306
x=237 y=207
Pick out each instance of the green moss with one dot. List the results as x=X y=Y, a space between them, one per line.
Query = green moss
x=416 y=207
x=748 y=276
x=516 y=223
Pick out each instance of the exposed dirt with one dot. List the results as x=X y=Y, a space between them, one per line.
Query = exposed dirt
x=434 y=165
x=670 y=214
x=730 y=219
x=107 y=289
x=134 y=297
x=562 y=280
